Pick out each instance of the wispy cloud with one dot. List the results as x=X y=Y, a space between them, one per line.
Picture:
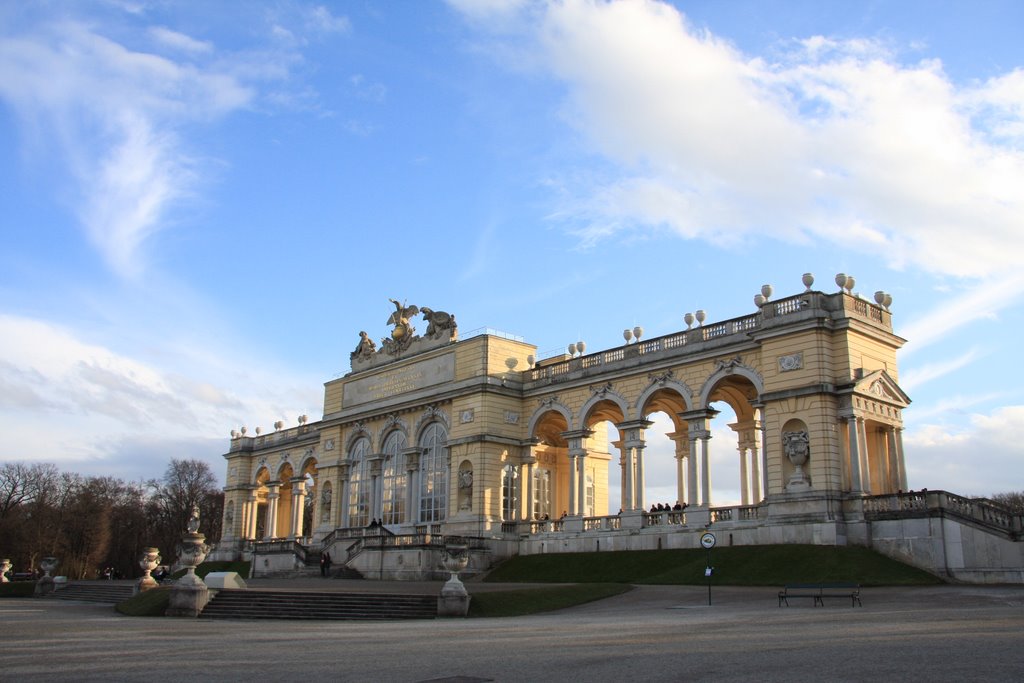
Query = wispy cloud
x=833 y=141
x=918 y=375
x=983 y=300
x=114 y=114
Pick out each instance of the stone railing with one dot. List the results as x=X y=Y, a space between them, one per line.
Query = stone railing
x=606 y=523
x=280 y=546
x=664 y=518
x=279 y=437
x=926 y=503
x=827 y=305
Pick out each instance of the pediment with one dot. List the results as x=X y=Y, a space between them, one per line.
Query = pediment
x=880 y=386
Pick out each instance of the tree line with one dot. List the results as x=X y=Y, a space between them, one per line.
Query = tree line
x=94 y=523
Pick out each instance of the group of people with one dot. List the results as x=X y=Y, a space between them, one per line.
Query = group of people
x=665 y=507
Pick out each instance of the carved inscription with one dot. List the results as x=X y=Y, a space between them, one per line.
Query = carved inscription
x=400 y=381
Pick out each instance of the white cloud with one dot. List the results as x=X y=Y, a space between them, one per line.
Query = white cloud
x=835 y=140
x=114 y=115
x=980 y=301
x=67 y=400
x=983 y=458
x=180 y=41
x=918 y=375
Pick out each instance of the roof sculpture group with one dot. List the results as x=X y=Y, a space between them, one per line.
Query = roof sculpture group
x=441 y=327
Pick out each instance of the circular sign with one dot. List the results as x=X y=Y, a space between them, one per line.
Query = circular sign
x=708 y=540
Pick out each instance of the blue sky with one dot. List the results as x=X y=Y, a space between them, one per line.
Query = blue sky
x=201 y=204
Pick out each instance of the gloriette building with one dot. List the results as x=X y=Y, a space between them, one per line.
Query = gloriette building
x=433 y=436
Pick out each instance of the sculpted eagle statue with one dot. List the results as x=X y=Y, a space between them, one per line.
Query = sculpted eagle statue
x=400 y=319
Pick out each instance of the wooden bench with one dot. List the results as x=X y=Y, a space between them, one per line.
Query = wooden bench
x=819 y=591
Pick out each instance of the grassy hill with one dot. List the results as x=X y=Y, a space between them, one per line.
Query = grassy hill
x=769 y=565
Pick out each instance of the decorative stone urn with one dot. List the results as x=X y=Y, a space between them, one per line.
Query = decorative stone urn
x=189 y=594
x=5 y=566
x=48 y=564
x=797 y=446
x=45 y=585
x=454 y=599
x=149 y=561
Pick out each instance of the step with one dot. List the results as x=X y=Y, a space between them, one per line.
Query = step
x=263 y=604
x=98 y=592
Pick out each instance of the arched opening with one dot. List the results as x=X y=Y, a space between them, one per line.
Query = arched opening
x=599 y=483
x=735 y=460
x=549 y=463
x=667 y=458
x=433 y=474
x=258 y=527
x=359 y=483
x=394 y=480
x=282 y=525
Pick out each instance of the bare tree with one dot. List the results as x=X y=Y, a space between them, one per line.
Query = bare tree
x=21 y=483
x=185 y=483
x=1013 y=501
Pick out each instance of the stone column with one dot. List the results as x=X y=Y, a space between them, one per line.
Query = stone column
x=761 y=441
x=681 y=443
x=627 y=477
x=243 y=530
x=529 y=464
x=274 y=494
x=705 y=469
x=523 y=471
x=412 y=484
x=633 y=439
x=577 y=482
x=572 y=482
x=854 y=454
x=641 y=504
x=744 y=484
x=865 y=465
x=755 y=470
x=376 y=487
x=581 y=483
x=346 y=488
x=254 y=509
x=298 y=507
x=901 y=464
x=693 y=499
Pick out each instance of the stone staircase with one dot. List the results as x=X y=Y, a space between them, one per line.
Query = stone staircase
x=95 y=591
x=277 y=604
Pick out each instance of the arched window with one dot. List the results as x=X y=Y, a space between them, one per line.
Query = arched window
x=541 y=493
x=359 y=484
x=433 y=474
x=509 y=499
x=395 y=479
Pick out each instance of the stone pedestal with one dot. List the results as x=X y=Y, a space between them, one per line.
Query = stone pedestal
x=188 y=599
x=454 y=599
x=631 y=519
x=45 y=585
x=189 y=594
x=452 y=603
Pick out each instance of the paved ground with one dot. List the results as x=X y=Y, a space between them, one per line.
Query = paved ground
x=653 y=633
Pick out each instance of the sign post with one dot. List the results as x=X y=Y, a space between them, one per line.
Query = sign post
x=707 y=540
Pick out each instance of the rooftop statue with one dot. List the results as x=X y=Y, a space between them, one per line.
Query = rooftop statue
x=400 y=319
x=365 y=348
x=439 y=322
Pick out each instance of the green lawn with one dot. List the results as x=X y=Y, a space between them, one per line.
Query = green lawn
x=770 y=565
x=513 y=603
